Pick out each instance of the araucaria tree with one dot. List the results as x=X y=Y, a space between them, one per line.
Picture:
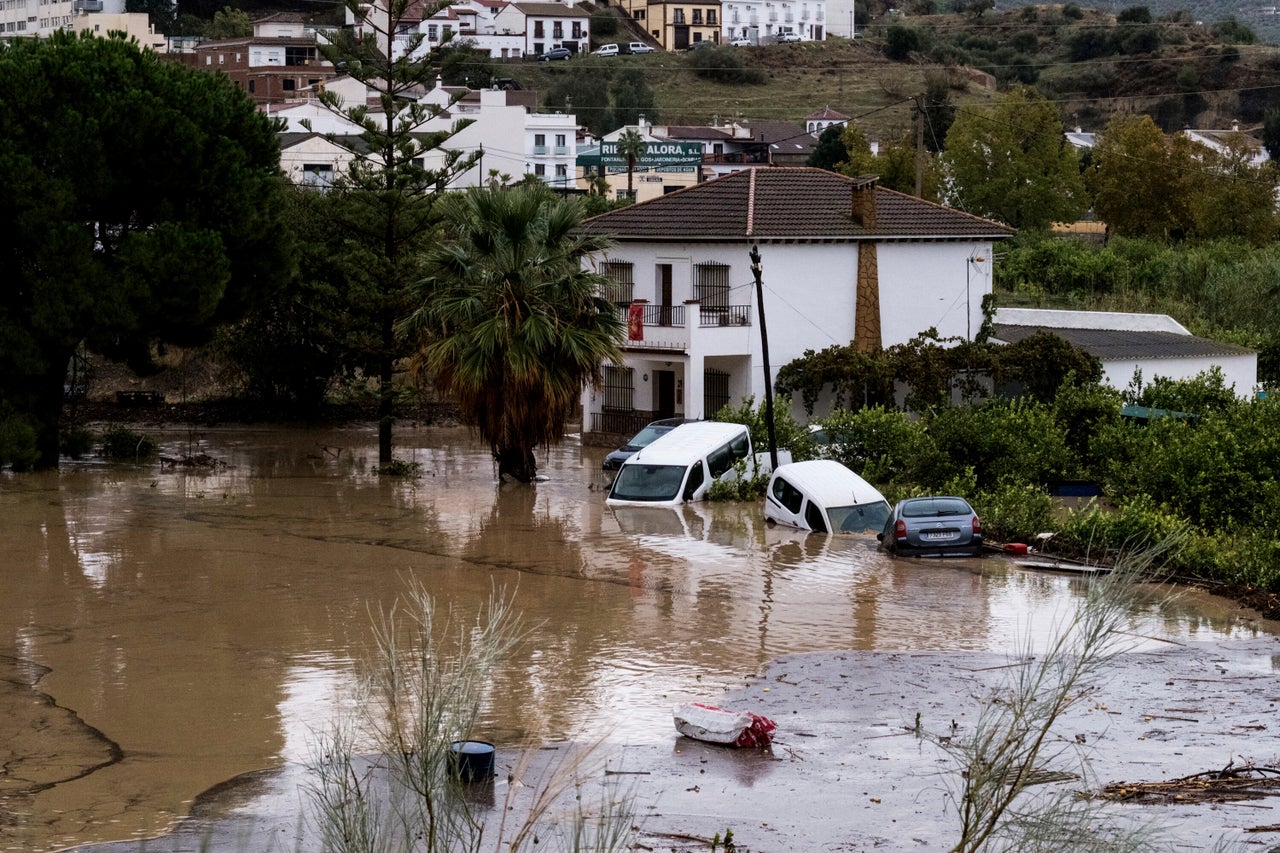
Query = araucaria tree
x=140 y=204
x=399 y=170
x=1012 y=163
x=509 y=323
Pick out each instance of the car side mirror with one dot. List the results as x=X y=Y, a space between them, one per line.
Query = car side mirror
x=880 y=537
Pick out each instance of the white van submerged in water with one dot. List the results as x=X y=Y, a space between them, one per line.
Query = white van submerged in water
x=824 y=496
x=682 y=464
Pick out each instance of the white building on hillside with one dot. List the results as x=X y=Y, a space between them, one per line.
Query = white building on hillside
x=503 y=128
x=763 y=20
x=40 y=18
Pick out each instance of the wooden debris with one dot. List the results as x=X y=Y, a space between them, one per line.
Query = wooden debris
x=1230 y=784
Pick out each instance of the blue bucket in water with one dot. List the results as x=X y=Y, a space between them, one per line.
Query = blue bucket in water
x=471 y=760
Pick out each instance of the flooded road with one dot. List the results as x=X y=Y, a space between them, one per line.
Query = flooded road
x=162 y=631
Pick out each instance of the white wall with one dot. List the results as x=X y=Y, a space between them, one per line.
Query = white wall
x=925 y=285
x=1239 y=372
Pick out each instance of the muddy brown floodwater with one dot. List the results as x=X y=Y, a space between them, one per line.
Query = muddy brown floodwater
x=163 y=631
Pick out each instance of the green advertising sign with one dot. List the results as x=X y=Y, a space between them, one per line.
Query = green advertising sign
x=658 y=157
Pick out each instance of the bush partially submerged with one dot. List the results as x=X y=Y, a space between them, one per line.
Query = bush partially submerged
x=121 y=443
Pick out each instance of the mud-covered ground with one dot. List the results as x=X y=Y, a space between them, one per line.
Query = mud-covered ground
x=849 y=772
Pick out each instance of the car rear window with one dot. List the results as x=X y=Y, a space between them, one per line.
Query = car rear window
x=935 y=506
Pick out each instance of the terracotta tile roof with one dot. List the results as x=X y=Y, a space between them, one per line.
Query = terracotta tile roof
x=677 y=131
x=776 y=131
x=1126 y=344
x=285 y=18
x=551 y=10
x=786 y=203
x=827 y=114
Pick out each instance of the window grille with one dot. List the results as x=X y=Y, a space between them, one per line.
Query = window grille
x=619 y=388
x=715 y=395
x=621 y=287
x=711 y=286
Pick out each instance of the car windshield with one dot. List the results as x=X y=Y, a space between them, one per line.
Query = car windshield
x=648 y=482
x=646 y=436
x=935 y=506
x=859 y=517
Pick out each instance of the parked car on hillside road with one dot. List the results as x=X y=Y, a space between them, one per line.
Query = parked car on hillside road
x=556 y=53
x=610 y=49
x=932 y=527
x=639 y=47
x=742 y=42
x=788 y=36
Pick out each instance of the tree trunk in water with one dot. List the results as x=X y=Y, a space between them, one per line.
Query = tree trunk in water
x=386 y=393
x=47 y=408
x=515 y=463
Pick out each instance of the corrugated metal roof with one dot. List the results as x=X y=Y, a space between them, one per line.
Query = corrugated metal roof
x=786 y=203
x=1112 y=344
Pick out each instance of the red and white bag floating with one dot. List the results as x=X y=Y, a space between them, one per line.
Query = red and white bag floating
x=720 y=725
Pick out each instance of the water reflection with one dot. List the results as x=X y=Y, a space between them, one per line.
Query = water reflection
x=208 y=621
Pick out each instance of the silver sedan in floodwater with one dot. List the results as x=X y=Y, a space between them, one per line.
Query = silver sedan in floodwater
x=933 y=527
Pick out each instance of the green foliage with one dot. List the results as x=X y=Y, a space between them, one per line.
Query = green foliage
x=17 y=441
x=178 y=174
x=1002 y=441
x=400 y=468
x=725 y=65
x=1010 y=512
x=1204 y=393
x=632 y=97
x=830 y=151
x=603 y=24
x=1072 y=12
x=901 y=41
x=1134 y=15
x=77 y=442
x=931 y=369
x=229 y=23
x=508 y=323
x=1231 y=31
x=123 y=444
x=584 y=91
x=742 y=488
x=1012 y=163
x=789 y=434
x=880 y=444
x=464 y=65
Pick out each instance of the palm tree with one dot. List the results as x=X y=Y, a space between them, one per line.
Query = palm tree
x=509 y=323
x=632 y=146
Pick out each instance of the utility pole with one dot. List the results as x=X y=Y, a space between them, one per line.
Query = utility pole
x=756 y=270
x=919 y=145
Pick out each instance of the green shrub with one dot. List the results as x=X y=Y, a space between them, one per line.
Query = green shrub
x=880 y=444
x=1005 y=442
x=789 y=434
x=724 y=65
x=18 y=442
x=603 y=23
x=122 y=443
x=741 y=488
x=77 y=442
x=1014 y=513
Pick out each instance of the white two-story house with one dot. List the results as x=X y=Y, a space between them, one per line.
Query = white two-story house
x=842 y=260
x=762 y=20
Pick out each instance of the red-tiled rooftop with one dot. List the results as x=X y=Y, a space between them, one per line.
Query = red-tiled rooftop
x=787 y=203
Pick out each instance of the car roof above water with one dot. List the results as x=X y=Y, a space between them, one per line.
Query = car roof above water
x=831 y=483
x=686 y=442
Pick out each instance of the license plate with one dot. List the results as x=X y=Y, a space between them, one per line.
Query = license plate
x=939 y=534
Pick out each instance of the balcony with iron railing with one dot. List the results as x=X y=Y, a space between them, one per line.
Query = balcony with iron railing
x=665 y=327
